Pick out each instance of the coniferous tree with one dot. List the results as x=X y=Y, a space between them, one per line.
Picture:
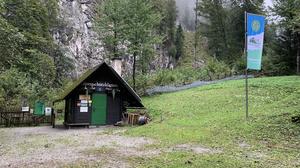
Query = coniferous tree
x=110 y=24
x=222 y=24
x=179 y=39
x=236 y=26
x=167 y=27
x=213 y=26
x=130 y=27
x=35 y=21
x=142 y=22
x=288 y=39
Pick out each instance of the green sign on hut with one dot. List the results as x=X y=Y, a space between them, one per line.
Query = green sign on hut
x=99 y=97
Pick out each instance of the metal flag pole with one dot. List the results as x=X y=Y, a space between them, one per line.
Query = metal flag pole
x=246 y=70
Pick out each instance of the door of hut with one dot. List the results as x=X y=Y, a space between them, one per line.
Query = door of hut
x=99 y=102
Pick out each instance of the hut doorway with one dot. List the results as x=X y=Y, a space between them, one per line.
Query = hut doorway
x=99 y=102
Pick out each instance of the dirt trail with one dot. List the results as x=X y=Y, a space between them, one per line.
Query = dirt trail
x=47 y=147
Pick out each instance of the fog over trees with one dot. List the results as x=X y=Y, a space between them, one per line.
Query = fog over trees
x=186 y=13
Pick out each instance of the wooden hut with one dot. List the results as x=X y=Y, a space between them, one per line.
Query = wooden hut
x=99 y=97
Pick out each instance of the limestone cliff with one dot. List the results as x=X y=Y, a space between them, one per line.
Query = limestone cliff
x=76 y=36
x=82 y=44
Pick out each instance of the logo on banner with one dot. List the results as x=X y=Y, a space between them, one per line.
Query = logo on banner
x=255 y=25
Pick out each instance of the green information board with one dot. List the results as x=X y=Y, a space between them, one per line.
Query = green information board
x=39 y=108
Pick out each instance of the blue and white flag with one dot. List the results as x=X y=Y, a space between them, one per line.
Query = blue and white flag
x=255 y=40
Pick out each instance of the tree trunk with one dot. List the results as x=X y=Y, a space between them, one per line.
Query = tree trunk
x=133 y=70
x=115 y=45
x=298 y=61
x=298 y=55
x=196 y=26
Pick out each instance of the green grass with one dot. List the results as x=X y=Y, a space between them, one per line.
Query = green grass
x=214 y=116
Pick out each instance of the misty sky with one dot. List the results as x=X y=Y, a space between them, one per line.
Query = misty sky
x=269 y=2
x=186 y=8
x=184 y=5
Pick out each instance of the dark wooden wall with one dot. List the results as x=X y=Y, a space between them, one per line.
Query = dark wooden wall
x=114 y=110
x=73 y=114
x=80 y=117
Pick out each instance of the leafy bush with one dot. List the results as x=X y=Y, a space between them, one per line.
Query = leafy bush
x=13 y=86
x=181 y=76
x=216 y=69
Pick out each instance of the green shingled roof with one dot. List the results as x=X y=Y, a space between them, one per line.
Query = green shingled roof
x=77 y=82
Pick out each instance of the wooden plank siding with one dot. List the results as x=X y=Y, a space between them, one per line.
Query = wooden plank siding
x=114 y=109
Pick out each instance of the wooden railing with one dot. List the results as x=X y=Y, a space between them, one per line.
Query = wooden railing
x=9 y=119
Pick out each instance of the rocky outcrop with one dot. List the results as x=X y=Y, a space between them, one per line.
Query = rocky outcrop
x=77 y=37
x=82 y=44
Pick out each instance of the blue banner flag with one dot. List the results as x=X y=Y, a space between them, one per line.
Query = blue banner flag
x=255 y=40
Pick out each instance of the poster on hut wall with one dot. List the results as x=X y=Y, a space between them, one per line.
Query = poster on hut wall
x=84 y=97
x=83 y=103
x=84 y=109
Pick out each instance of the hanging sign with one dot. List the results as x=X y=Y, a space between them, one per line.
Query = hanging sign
x=25 y=109
x=84 y=109
x=48 y=111
x=255 y=40
x=84 y=97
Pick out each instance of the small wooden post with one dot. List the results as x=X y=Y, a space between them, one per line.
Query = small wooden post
x=53 y=118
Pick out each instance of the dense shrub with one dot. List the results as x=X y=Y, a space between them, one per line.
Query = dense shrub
x=181 y=76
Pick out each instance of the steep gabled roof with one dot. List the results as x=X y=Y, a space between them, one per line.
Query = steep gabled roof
x=102 y=66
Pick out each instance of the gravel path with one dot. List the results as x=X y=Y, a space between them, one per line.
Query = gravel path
x=48 y=147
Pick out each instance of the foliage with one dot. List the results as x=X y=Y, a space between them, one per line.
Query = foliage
x=287 y=38
x=28 y=52
x=223 y=26
x=110 y=24
x=213 y=117
x=181 y=76
x=10 y=45
x=223 y=22
x=179 y=39
x=214 y=27
x=216 y=69
x=189 y=59
x=141 y=23
x=131 y=24
x=169 y=20
x=13 y=86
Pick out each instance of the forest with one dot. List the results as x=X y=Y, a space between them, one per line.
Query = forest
x=33 y=66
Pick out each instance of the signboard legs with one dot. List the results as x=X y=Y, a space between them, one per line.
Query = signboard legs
x=247 y=93
x=246 y=70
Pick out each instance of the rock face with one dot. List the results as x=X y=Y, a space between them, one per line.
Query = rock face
x=77 y=37
x=82 y=44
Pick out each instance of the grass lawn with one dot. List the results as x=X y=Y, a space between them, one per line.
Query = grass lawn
x=214 y=117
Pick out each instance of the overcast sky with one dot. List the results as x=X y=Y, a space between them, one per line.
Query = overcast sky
x=183 y=5
x=269 y=2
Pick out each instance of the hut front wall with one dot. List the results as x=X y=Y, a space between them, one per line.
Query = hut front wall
x=73 y=114
x=114 y=109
